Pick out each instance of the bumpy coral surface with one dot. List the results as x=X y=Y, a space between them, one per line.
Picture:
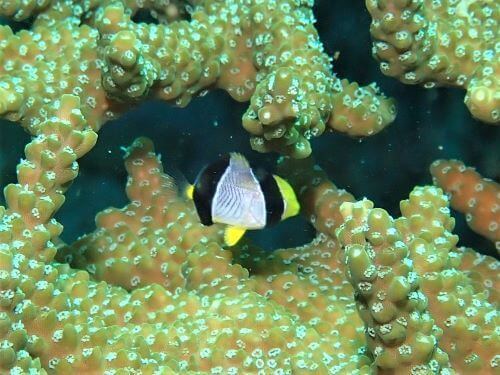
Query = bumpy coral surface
x=267 y=52
x=153 y=291
x=401 y=333
x=477 y=197
x=423 y=314
x=192 y=305
x=445 y=43
x=160 y=293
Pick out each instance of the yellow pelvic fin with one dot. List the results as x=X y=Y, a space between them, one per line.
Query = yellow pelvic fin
x=190 y=191
x=292 y=206
x=233 y=234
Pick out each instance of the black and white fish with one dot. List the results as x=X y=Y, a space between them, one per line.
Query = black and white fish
x=229 y=191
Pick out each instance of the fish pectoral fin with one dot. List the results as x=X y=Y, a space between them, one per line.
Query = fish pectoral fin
x=233 y=234
x=189 y=191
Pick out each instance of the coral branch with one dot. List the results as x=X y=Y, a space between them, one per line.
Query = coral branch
x=477 y=197
x=442 y=43
x=267 y=52
x=409 y=269
x=400 y=331
x=152 y=290
x=43 y=177
x=187 y=304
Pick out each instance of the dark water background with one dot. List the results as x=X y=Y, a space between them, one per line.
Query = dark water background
x=431 y=124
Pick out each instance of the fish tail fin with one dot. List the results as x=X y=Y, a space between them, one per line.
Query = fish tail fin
x=184 y=187
x=292 y=205
x=189 y=191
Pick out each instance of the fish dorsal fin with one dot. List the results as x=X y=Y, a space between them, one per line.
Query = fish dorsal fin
x=238 y=160
x=241 y=172
x=233 y=234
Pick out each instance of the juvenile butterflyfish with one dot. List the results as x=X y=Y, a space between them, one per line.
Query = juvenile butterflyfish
x=229 y=191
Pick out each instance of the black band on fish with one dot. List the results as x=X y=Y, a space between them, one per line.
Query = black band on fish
x=205 y=186
x=272 y=196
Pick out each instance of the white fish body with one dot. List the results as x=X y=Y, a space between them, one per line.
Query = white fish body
x=239 y=200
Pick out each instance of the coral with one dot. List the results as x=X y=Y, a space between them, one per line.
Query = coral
x=151 y=290
x=442 y=43
x=267 y=52
x=192 y=305
x=294 y=313
x=162 y=295
x=419 y=308
x=401 y=333
x=148 y=241
x=482 y=271
x=477 y=197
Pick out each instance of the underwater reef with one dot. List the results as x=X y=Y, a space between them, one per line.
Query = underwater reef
x=350 y=288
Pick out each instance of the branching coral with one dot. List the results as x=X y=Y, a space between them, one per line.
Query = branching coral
x=151 y=290
x=194 y=306
x=477 y=197
x=293 y=314
x=414 y=299
x=445 y=43
x=401 y=333
x=267 y=52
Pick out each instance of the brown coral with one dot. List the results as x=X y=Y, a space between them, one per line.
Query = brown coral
x=442 y=43
x=475 y=196
x=267 y=52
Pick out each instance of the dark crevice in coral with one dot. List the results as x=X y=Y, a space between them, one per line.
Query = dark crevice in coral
x=12 y=141
x=144 y=16
x=17 y=25
x=168 y=15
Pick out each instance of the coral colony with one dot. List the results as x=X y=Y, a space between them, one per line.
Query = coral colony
x=153 y=291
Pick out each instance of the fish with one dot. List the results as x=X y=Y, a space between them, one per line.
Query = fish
x=229 y=191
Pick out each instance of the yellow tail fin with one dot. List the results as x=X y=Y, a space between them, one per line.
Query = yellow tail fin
x=189 y=191
x=292 y=206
